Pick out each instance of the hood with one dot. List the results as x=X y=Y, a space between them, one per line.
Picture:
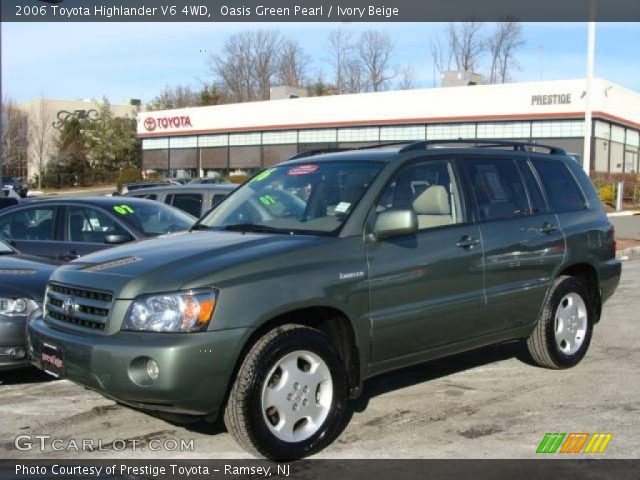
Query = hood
x=25 y=275
x=167 y=263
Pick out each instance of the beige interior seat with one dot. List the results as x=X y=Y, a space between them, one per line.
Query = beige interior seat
x=432 y=207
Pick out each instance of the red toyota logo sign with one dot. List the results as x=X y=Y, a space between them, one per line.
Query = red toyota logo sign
x=150 y=123
x=178 y=121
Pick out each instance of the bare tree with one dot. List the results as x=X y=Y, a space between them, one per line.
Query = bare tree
x=466 y=44
x=502 y=44
x=355 y=76
x=342 y=58
x=179 y=96
x=441 y=55
x=247 y=64
x=40 y=138
x=292 y=64
x=265 y=59
x=407 y=78
x=15 y=138
x=375 y=50
x=232 y=67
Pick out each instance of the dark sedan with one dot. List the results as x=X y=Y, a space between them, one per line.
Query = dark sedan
x=67 y=228
x=23 y=280
x=16 y=185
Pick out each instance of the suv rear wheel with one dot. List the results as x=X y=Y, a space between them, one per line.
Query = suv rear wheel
x=563 y=333
x=289 y=397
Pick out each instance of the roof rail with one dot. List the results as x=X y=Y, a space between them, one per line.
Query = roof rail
x=485 y=143
x=320 y=151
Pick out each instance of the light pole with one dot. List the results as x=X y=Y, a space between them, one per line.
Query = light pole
x=591 y=48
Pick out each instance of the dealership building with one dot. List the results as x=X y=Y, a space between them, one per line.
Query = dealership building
x=246 y=137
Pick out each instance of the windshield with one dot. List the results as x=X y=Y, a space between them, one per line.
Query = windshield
x=314 y=198
x=153 y=218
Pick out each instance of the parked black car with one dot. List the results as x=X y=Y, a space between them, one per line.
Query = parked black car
x=195 y=199
x=23 y=281
x=16 y=184
x=66 y=228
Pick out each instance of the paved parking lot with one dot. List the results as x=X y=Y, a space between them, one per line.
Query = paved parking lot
x=485 y=404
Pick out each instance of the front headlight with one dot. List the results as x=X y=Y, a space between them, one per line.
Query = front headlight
x=189 y=311
x=17 y=307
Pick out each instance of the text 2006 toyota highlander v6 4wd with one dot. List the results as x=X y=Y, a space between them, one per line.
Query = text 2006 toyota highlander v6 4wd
x=329 y=269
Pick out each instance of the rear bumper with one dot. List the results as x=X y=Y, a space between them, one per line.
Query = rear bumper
x=195 y=369
x=610 y=272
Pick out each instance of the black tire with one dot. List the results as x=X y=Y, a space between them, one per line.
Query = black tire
x=542 y=345
x=243 y=414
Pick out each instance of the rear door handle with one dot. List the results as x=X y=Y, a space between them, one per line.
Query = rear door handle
x=467 y=242
x=547 y=228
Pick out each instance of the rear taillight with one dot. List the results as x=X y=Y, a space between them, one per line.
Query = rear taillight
x=614 y=247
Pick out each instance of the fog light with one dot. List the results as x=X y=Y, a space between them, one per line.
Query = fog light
x=152 y=369
x=18 y=353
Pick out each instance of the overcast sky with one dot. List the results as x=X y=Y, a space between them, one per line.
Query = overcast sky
x=135 y=60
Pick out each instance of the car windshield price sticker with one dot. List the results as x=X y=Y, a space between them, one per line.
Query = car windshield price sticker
x=302 y=170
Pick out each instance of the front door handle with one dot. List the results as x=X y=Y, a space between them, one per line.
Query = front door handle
x=547 y=228
x=467 y=242
x=70 y=255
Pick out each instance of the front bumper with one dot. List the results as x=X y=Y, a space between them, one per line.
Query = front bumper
x=195 y=368
x=12 y=343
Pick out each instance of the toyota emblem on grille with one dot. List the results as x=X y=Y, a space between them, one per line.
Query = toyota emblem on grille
x=68 y=306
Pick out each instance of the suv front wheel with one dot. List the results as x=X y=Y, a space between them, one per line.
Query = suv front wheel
x=563 y=332
x=289 y=397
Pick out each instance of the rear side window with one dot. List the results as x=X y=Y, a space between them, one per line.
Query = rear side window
x=217 y=198
x=538 y=205
x=562 y=191
x=188 y=202
x=30 y=224
x=498 y=188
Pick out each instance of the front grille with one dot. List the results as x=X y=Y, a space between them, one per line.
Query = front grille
x=78 y=306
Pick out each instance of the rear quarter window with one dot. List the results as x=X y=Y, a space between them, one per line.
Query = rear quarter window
x=561 y=188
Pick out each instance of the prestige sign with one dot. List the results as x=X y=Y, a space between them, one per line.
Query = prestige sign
x=164 y=123
x=554 y=99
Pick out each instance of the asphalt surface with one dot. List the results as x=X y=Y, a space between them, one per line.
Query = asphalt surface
x=627 y=226
x=484 y=404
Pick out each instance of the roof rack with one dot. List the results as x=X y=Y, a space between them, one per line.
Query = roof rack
x=484 y=143
x=320 y=151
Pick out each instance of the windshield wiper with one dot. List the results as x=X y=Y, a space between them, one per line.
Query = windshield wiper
x=200 y=226
x=250 y=227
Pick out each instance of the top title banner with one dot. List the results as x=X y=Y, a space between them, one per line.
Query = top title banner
x=316 y=10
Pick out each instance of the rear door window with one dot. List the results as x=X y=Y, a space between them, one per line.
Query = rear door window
x=498 y=187
x=563 y=193
x=188 y=202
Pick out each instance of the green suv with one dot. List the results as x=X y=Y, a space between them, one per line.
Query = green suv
x=329 y=269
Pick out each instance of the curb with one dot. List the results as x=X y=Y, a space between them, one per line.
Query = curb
x=628 y=253
x=625 y=213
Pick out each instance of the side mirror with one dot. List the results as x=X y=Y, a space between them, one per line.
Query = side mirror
x=116 y=239
x=395 y=223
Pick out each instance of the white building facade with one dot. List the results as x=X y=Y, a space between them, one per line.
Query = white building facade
x=250 y=136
